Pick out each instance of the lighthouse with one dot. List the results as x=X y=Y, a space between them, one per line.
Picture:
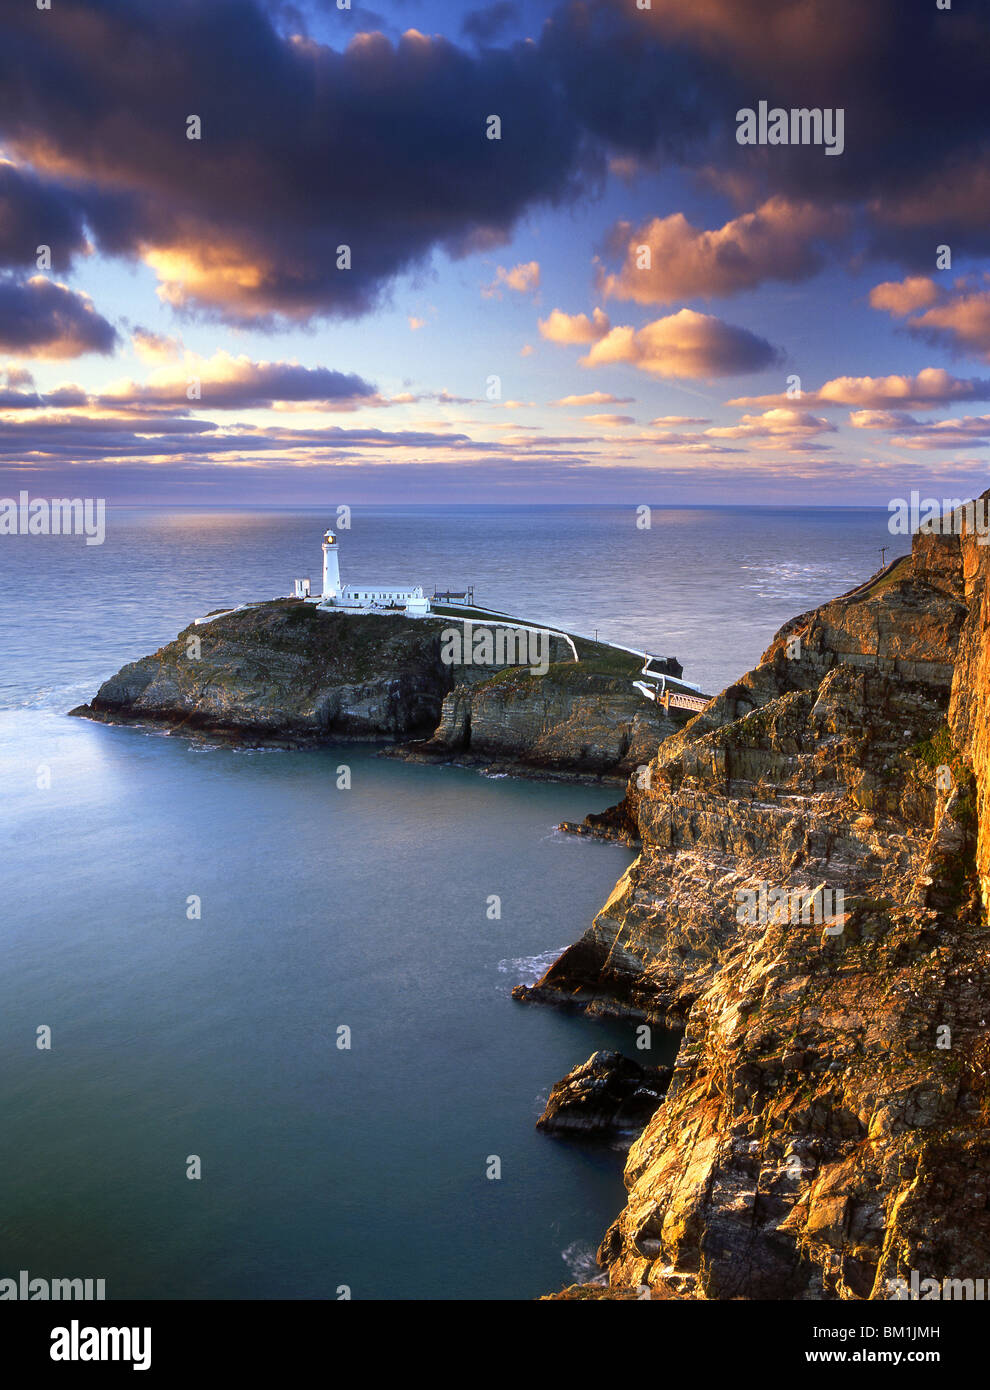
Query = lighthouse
x=370 y=597
x=331 y=567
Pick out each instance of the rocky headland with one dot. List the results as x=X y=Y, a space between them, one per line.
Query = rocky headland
x=827 y=1128
x=291 y=674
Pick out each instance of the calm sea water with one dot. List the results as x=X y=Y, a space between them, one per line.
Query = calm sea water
x=321 y=908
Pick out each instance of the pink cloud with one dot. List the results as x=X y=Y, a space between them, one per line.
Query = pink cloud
x=574 y=328
x=684 y=345
x=901 y=297
x=781 y=240
x=521 y=279
x=931 y=387
x=594 y=398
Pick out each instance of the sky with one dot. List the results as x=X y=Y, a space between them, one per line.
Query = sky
x=260 y=252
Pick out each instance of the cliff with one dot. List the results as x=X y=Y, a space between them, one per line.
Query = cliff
x=582 y=719
x=826 y=1128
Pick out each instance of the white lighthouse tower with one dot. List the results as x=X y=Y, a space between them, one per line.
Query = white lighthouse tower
x=331 y=567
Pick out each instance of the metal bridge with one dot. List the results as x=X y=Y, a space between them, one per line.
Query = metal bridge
x=670 y=699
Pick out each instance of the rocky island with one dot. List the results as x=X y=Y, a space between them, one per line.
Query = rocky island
x=286 y=672
x=826 y=1133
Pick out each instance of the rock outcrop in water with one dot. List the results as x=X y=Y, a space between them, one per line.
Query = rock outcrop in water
x=288 y=672
x=827 y=1128
x=608 y=1097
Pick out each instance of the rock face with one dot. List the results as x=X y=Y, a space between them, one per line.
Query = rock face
x=808 y=902
x=286 y=670
x=570 y=720
x=607 y=1097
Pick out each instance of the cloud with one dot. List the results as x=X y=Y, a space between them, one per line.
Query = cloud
x=681 y=420
x=908 y=433
x=232 y=383
x=781 y=240
x=901 y=297
x=415 y=324
x=443 y=397
x=304 y=149
x=686 y=345
x=574 y=328
x=594 y=398
x=523 y=279
x=957 y=317
x=42 y=318
x=796 y=424
x=18 y=376
x=609 y=419
x=486 y=24
x=155 y=347
x=380 y=146
x=665 y=83
x=931 y=387
x=34 y=213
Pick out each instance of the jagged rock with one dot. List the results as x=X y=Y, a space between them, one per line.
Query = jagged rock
x=609 y=1096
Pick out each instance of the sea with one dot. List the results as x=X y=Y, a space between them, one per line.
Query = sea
x=257 y=1026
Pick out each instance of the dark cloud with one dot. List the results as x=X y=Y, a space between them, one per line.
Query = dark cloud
x=381 y=147
x=133 y=436
x=41 y=318
x=665 y=83
x=237 y=383
x=19 y=400
x=486 y=24
x=33 y=213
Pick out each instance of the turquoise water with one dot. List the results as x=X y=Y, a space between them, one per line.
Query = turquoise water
x=217 y=1036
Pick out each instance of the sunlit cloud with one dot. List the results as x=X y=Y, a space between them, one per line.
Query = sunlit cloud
x=521 y=279
x=686 y=344
x=574 y=328
x=927 y=389
x=667 y=259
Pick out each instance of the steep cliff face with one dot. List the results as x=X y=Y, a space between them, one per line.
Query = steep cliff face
x=572 y=719
x=826 y=1127
x=969 y=711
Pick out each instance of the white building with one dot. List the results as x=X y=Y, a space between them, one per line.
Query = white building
x=369 y=597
